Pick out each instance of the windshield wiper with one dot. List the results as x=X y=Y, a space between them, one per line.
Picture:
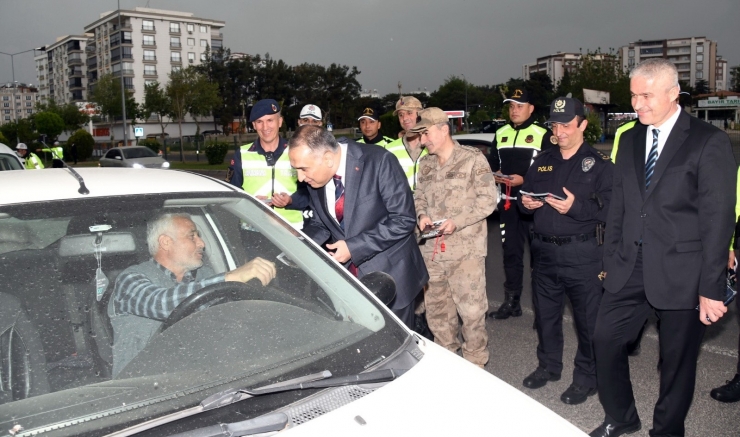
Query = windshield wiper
x=230 y=396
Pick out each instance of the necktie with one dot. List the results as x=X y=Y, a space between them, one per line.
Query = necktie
x=339 y=198
x=652 y=159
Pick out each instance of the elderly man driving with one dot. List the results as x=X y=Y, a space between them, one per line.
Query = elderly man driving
x=146 y=294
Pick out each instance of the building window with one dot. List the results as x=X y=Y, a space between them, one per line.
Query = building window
x=150 y=55
x=147 y=25
x=203 y=57
x=204 y=43
x=191 y=57
x=148 y=40
x=176 y=68
x=203 y=29
x=699 y=58
x=191 y=42
x=7 y=111
x=128 y=83
x=5 y=98
x=150 y=70
x=699 y=49
x=7 y=118
x=28 y=97
x=631 y=53
x=174 y=27
x=191 y=27
x=127 y=38
x=175 y=41
x=149 y=82
x=6 y=105
x=699 y=74
x=29 y=111
x=700 y=66
x=175 y=57
x=29 y=103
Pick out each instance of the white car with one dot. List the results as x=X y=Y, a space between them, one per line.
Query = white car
x=132 y=156
x=9 y=160
x=231 y=357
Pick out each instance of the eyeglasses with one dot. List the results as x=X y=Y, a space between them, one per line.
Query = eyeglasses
x=308 y=120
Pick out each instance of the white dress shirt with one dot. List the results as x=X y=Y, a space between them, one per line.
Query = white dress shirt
x=665 y=130
x=330 y=187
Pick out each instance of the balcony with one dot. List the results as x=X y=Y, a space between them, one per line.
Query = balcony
x=74 y=61
x=75 y=72
x=150 y=58
x=175 y=45
x=175 y=31
x=126 y=72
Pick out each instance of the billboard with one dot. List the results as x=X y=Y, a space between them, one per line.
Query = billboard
x=596 y=97
x=88 y=108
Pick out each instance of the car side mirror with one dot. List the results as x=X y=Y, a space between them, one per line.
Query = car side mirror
x=382 y=285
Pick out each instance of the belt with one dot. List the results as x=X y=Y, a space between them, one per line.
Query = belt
x=564 y=240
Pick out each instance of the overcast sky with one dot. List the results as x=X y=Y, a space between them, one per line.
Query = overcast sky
x=417 y=42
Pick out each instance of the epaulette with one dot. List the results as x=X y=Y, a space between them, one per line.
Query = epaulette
x=601 y=154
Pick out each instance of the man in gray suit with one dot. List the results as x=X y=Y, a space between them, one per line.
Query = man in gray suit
x=667 y=233
x=363 y=210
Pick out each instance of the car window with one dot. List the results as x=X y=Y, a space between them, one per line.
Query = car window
x=61 y=328
x=138 y=152
x=8 y=162
x=112 y=154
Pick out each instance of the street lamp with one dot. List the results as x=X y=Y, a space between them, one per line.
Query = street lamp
x=12 y=63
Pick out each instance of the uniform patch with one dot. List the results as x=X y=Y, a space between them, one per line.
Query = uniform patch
x=554 y=139
x=529 y=139
x=425 y=171
x=504 y=139
x=587 y=164
x=455 y=175
x=544 y=168
x=482 y=171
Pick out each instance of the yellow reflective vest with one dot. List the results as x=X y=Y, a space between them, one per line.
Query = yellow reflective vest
x=620 y=130
x=410 y=167
x=33 y=162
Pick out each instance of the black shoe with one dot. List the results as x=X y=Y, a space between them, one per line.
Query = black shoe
x=609 y=430
x=539 y=378
x=729 y=392
x=510 y=308
x=577 y=394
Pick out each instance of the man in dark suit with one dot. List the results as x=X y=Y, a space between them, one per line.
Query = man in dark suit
x=667 y=233
x=363 y=210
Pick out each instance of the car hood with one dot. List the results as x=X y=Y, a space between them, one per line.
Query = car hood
x=151 y=162
x=442 y=394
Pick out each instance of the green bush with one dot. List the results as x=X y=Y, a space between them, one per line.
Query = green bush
x=216 y=152
x=592 y=135
x=151 y=143
x=389 y=125
x=85 y=144
x=4 y=140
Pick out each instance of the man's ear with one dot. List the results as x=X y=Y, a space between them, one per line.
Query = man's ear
x=165 y=242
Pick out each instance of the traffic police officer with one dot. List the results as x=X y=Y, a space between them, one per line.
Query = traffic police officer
x=573 y=185
x=262 y=168
x=455 y=185
x=408 y=149
x=57 y=154
x=32 y=161
x=516 y=144
x=370 y=128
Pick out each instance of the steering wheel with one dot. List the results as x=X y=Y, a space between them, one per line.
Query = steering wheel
x=223 y=292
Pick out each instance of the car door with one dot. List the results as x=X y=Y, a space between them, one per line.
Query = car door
x=112 y=159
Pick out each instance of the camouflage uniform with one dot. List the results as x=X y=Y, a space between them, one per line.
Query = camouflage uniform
x=464 y=191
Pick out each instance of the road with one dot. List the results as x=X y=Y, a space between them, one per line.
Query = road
x=513 y=343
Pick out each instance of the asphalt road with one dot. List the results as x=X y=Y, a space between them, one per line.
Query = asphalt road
x=513 y=343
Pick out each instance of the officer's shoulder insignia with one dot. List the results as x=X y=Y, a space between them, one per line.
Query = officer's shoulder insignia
x=425 y=171
x=553 y=139
x=587 y=164
x=529 y=139
x=483 y=170
x=602 y=155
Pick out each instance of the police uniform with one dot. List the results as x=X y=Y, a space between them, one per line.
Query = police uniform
x=379 y=139
x=515 y=148
x=463 y=190
x=57 y=155
x=566 y=254
x=262 y=173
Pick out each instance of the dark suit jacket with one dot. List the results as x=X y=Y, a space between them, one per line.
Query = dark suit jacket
x=685 y=220
x=379 y=220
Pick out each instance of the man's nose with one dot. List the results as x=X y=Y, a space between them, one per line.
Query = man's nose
x=301 y=176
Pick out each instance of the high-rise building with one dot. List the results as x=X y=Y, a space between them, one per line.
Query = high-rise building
x=148 y=45
x=695 y=58
x=60 y=70
x=556 y=65
x=17 y=100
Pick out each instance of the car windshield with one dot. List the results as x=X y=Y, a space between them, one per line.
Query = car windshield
x=76 y=361
x=9 y=162
x=138 y=152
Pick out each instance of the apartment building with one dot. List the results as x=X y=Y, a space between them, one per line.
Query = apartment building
x=148 y=45
x=557 y=64
x=695 y=58
x=60 y=70
x=17 y=101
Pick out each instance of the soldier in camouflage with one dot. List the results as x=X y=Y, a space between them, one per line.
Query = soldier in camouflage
x=455 y=185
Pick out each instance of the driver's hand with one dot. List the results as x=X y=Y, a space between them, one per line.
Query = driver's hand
x=258 y=268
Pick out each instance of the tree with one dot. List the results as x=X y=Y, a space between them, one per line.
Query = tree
x=156 y=101
x=71 y=115
x=107 y=95
x=20 y=131
x=597 y=71
x=735 y=79
x=85 y=143
x=701 y=86
x=49 y=124
x=204 y=97
x=178 y=92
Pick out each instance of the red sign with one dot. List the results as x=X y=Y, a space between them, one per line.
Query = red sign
x=455 y=114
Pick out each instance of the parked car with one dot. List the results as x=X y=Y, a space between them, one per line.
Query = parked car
x=9 y=160
x=484 y=142
x=159 y=135
x=212 y=132
x=132 y=156
x=231 y=355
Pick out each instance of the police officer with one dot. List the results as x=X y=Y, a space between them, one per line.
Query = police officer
x=566 y=245
x=516 y=144
x=370 y=128
x=310 y=114
x=455 y=185
x=32 y=161
x=262 y=168
x=408 y=149
x=57 y=154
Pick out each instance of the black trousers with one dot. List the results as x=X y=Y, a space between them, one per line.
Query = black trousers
x=514 y=231
x=737 y=302
x=569 y=270
x=621 y=317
